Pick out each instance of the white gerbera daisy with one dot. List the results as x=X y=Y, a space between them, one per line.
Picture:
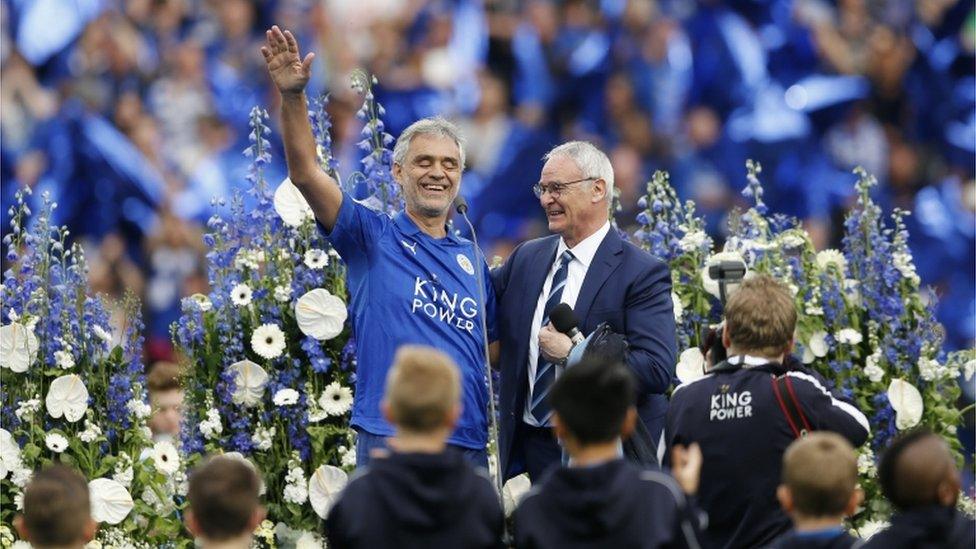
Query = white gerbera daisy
x=285 y=397
x=336 y=399
x=102 y=333
x=316 y=259
x=56 y=442
x=268 y=341
x=832 y=258
x=202 y=301
x=165 y=457
x=241 y=295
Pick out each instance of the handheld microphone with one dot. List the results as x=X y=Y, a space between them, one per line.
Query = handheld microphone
x=564 y=320
x=461 y=207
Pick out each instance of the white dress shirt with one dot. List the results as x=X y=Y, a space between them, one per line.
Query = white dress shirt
x=583 y=254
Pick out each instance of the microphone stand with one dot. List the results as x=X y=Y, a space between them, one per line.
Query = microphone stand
x=461 y=206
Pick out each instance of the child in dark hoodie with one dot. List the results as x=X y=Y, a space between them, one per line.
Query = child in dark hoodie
x=919 y=477
x=420 y=494
x=601 y=500
x=819 y=489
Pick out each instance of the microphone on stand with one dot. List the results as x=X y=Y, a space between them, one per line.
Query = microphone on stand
x=461 y=206
x=564 y=320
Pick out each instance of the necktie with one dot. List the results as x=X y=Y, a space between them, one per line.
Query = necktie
x=545 y=371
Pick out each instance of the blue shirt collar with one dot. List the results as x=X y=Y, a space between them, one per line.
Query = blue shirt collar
x=408 y=227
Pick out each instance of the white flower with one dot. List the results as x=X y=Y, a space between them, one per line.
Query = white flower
x=241 y=295
x=320 y=314
x=316 y=259
x=21 y=544
x=56 y=442
x=691 y=365
x=19 y=501
x=324 y=487
x=852 y=289
x=282 y=293
x=872 y=367
x=907 y=403
x=110 y=501
x=791 y=240
x=21 y=476
x=336 y=399
x=693 y=240
x=818 y=344
x=9 y=453
x=250 y=259
x=165 y=457
x=514 y=490
x=347 y=456
x=865 y=463
x=91 y=432
x=268 y=341
x=18 y=347
x=929 y=369
x=67 y=396
x=138 y=408
x=295 y=493
x=290 y=205
x=969 y=369
x=871 y=528
x=123 y=476
x=93 y=544
x=249 y=380
x=202 y=301
x=679 y=309
x=263 y=437
x=211 y=427
x=812 y=309
x=285 y=397
x=309 y=540
x=27 y=408
x=849 y=336
x=831 y=258
x=903 y=262
x=808 y=357
x=102 y=333
x=710 y=284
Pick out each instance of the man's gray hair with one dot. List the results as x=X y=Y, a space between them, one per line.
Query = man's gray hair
x=427 y=126
x=589 y=159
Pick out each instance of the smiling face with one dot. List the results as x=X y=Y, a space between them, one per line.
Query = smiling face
x=430 y=175
x=580 y=209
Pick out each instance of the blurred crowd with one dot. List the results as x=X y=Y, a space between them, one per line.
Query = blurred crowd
x=134 y=113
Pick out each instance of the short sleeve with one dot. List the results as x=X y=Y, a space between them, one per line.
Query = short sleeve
x=356 y=230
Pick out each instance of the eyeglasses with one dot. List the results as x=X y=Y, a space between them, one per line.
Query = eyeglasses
x=556 y=188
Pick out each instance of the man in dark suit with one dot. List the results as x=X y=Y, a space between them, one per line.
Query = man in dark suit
x=605 y=279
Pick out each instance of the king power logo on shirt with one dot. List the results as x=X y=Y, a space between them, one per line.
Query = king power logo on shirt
x=431 y=299
x=727 y=406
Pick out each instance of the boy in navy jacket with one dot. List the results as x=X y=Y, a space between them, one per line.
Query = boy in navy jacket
x=735 y=416
x=420 y=494
x=599 y=499
x=919 y=477
x=819 y=489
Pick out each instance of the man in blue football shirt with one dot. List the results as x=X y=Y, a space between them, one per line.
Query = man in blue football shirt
x=410 y=280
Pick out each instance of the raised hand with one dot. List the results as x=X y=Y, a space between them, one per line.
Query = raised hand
x=289 y=72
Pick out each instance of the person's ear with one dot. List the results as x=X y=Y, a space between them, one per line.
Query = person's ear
x=948 y=491
x=788 y=350
x=387 y=411
x=21 y=528
x=785 y=497
x=630 y=422
x=398 y=173
x=256 y=517
x=726 y=340
x=454 y=415
x=599 y=190
x=857 y=496
x=90 y=530
x=190 y=521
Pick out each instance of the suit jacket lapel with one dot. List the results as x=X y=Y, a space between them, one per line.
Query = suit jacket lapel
x=605 y=262
x=535 y=280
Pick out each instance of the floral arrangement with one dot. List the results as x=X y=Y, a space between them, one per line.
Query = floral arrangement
x=863 y=324
x=270 y=362
x=72 y=391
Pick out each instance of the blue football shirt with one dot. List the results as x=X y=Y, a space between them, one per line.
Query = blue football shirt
x=407 y=287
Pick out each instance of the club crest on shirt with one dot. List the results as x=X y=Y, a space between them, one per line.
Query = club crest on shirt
x=465 y=263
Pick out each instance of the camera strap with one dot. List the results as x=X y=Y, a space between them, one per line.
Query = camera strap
x=786 y=397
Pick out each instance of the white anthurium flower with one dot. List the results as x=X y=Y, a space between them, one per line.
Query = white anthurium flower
x=818 y=344
x=849 y=336
x=324 y=486
x=165 y=457
x=871 y=528
x=710 y=284
x=513 y=492
x=907 y=403
x=290 y=205
x=67 y=396
x=678 y=308
x=969 y=369
x=110 y=501
x=691 y=365
x=262 y=489
x=9 y=453
x=18 y=347
x=250 y=380
x=320 y=314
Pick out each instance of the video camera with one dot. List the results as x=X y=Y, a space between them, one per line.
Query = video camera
x=728 y=273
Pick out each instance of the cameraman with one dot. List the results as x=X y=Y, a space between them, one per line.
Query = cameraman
x=742 y=427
